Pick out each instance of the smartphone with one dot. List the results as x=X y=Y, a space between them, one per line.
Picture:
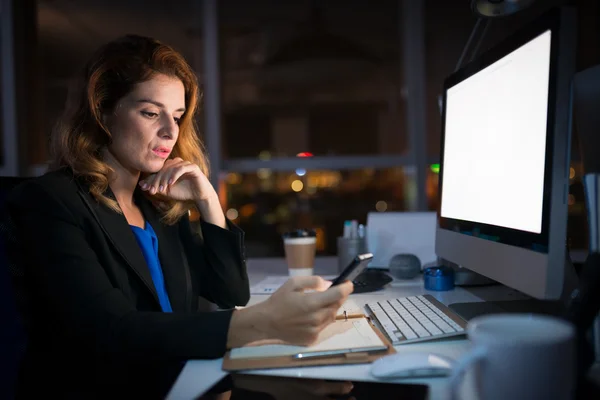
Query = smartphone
x=358 y=265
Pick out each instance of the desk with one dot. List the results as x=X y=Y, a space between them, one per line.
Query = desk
x=199 y=375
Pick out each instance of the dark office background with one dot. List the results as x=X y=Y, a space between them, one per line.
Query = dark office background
x=313 y=97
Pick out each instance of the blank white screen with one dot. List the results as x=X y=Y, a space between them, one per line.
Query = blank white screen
x=495 y=141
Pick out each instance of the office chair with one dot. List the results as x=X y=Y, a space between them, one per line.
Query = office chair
x=13 y=298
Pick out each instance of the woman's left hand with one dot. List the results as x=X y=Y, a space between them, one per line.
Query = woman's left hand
x=179 y=180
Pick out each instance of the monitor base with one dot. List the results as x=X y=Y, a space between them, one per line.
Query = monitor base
x=555 y=308
x=469 y=311
x=466 y=277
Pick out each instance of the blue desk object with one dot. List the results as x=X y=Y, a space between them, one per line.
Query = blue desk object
x=438 y=278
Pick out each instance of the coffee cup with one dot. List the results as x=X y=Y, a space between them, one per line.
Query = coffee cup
x=519 y=356
x=300 y=248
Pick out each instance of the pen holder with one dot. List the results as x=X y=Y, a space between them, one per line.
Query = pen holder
x=347 y=249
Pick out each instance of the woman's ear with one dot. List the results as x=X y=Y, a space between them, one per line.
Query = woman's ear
x=105 y=120
x=109 y=114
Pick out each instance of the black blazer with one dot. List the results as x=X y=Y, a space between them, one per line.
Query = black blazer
x=97 y=325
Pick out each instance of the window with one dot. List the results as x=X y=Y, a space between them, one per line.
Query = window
x=267 y=203
x=246 y=135
x=315 y=127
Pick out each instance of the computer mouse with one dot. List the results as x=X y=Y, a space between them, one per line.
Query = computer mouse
x=411 y=365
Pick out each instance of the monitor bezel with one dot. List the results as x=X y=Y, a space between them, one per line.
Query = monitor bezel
x=533 y=241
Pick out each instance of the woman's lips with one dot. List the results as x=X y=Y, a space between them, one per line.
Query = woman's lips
x=161 y=152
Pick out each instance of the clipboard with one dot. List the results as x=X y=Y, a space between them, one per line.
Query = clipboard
x=288 y=361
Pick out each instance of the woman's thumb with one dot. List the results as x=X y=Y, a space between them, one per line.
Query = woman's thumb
x=301 y=283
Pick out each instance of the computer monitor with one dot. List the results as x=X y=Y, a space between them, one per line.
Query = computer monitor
x=505 y=153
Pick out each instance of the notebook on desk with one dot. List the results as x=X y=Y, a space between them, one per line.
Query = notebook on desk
x=351 y=339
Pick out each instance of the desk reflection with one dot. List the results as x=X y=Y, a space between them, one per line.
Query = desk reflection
x=256 y=387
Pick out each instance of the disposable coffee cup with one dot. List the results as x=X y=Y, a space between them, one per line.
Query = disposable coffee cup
x=300 y=248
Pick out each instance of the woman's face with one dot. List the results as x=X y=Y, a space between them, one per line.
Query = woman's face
x=145 y=125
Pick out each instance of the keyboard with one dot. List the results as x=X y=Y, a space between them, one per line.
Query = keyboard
x=415 y=319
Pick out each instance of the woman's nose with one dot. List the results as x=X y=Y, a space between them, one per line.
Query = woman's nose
x=169 y=128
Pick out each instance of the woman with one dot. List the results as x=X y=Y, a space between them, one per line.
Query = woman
x=115 y=269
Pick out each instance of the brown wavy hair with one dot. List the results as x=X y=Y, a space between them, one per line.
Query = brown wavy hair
x=80 y=136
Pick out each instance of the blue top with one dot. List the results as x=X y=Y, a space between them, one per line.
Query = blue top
x=148 y=242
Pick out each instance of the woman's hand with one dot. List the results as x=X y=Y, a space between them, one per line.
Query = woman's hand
x=297 y=317
x=290 y=315
x=179 y=180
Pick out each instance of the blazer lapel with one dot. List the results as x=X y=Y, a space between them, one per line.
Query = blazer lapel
x=119 y=233
x=174 y=266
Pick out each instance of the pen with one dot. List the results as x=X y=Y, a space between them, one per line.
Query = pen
x=347 y=228
x=354 y=229
x=361 y=231
x=329 y=353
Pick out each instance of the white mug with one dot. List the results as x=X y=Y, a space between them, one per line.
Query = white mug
x=519 y=356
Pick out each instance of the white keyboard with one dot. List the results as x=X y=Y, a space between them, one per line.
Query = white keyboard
x=416 y=319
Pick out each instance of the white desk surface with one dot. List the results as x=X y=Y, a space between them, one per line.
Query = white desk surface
x=199 y=375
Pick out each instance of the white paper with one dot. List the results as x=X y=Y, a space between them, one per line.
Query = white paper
x=391 y=233
x=340 y=335
x=271 y=283
x=351 y=308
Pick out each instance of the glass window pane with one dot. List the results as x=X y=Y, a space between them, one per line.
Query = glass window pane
x=441 y=57
x=432 y=187
x=318 y=77
x=343 y=130
x=251 y=131
x=577 y=224
x=266 y=203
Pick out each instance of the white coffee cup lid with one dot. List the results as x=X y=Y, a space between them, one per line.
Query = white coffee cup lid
x=300 y=233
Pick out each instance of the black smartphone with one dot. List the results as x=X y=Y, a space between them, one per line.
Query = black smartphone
x=358 y=265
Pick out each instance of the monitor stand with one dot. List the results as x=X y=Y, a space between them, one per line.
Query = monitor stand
x=471 y=310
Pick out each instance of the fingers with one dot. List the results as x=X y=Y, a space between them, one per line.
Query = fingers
x=325 y=296
x=333 y=295
x=347 y=288
x=148 y=183
x=318 y=321
x=183 y=168
x=301 y=283
x=168 y=175
x=324 y=317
